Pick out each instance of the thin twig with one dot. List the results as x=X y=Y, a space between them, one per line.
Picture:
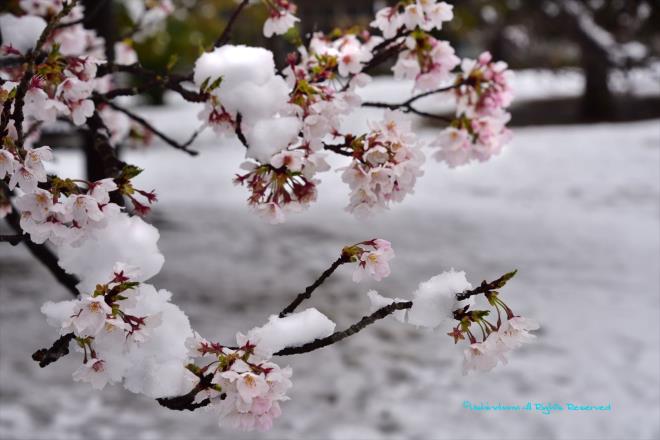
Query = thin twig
x=226 y=33
x=338 y=336
x=89 y=15
x=310 y=289
x=140 y=120
x=407 y=106
x=11 y=239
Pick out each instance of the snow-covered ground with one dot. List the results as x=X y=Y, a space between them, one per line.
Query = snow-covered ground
x=575 y=209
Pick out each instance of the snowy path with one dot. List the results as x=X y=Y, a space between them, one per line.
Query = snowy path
x=576 y=209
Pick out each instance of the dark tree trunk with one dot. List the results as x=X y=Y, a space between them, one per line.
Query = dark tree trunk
x=100 y=17
x=597 y=100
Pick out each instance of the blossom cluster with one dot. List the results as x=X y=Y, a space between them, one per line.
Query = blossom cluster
x=410 y=15
x=435 y=304
x=128 y=331
x=68 y=211
x=479 y=130
x=425 y=59
x=509 y=335
x=386 y=164
x=372 y=258
x=64 y=80
x=245 y=390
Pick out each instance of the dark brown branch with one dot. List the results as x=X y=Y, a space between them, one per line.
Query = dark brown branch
x=239 y=131
x=310 y=289
x=89 y=15
x=486 y=287
x=11 y=239
x=338 y=336
x=407 y=106
x=60 y=348
x=140 y=120
x=226 y=33
x=168 y=81
x=187 y=401
x=338 y=148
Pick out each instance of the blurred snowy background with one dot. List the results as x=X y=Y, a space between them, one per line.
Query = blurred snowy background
x=576 y=208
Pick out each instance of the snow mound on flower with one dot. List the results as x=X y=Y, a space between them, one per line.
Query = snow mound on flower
x=270 y=136
x=291 y=331
x=22 y=33
x=126 y=239
x=250 y=87
x=156 y=366
x=236 y=65
x=435 y=299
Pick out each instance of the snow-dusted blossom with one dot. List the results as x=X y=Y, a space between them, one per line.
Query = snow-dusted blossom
x=89 y=316
x=127 y=332
x=93 y=372
x=65 y=213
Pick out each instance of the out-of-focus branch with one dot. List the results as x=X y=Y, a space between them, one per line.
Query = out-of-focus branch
x=168 y=81
x=89 y=15
x=226 y=33
x=11 y=239
x=140 y=120
x=407 y=105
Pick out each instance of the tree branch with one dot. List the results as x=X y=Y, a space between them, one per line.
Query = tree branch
x=140 y=120
x=60 y=348
x=168 y=81
x=338 y=336
x=226 y=33
x=310 y=289
x=407 y=106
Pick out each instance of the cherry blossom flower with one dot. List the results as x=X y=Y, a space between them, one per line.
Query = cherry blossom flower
x=279 y=23
x=480 y=356
x=374 y=263
x=93 y=372
x=515 y=332
x=7 y=163
x=388 y=21
x=90 y=316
